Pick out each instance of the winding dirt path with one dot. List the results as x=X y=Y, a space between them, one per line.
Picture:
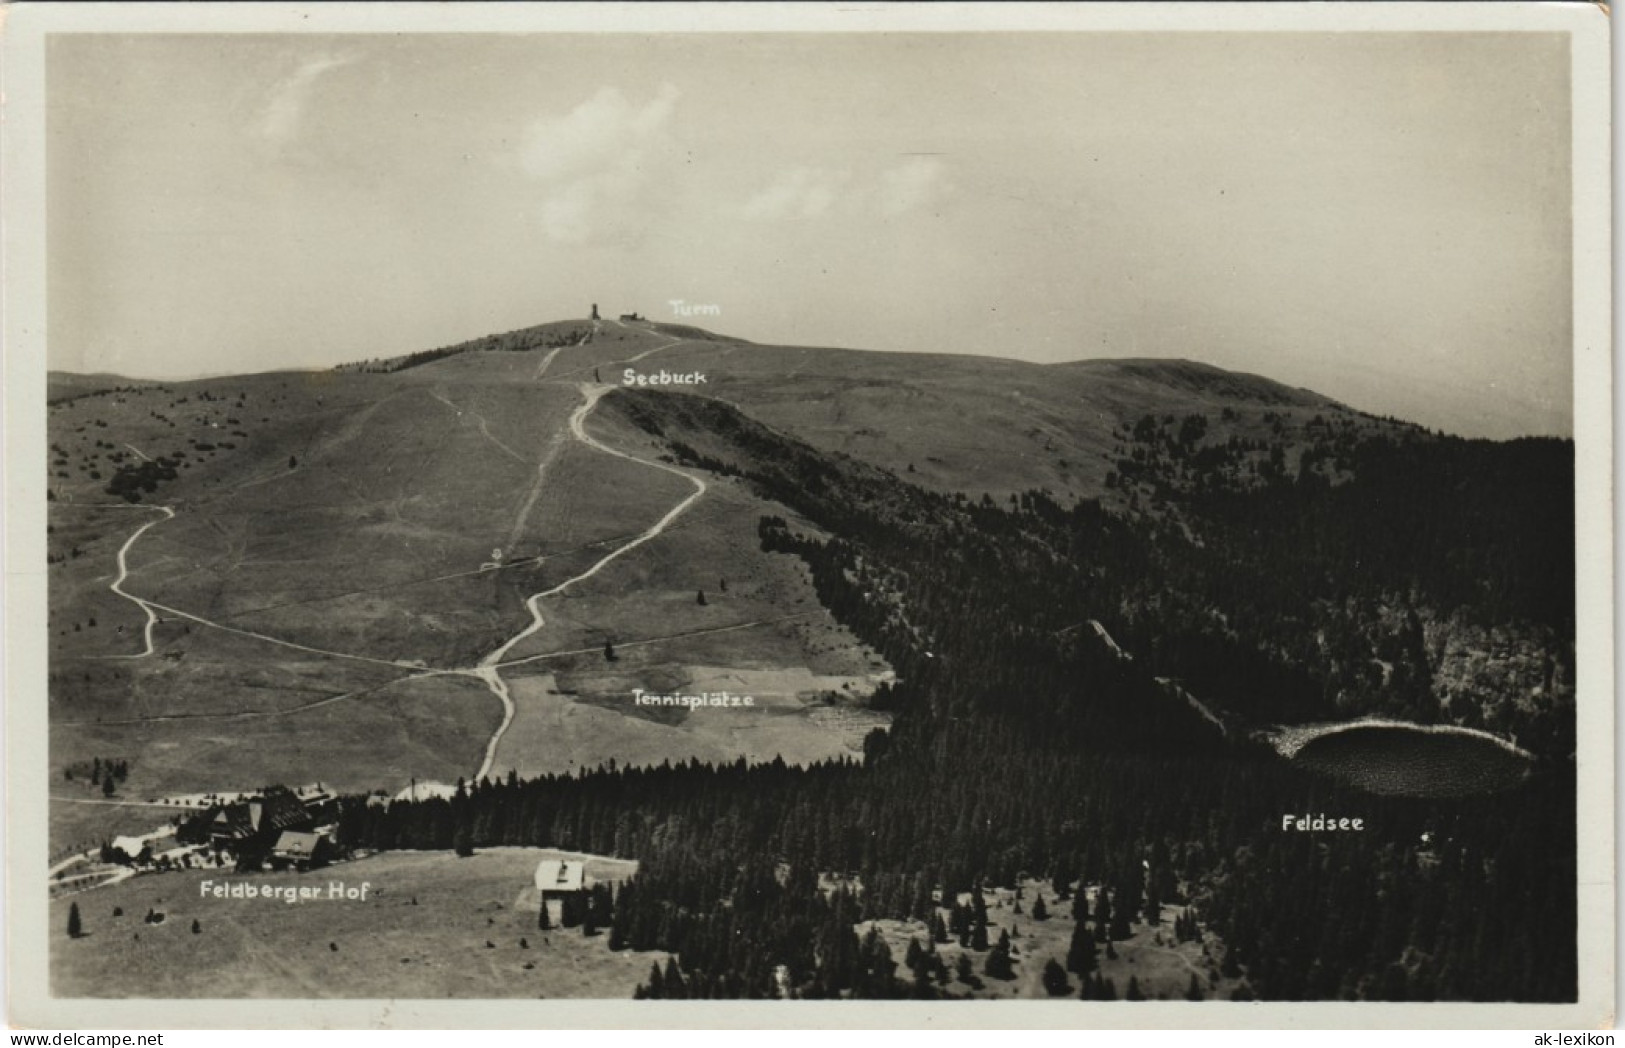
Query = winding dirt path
x=535 y=492
x=124 y=573
x=201 y=621
x=625 y=360
x=152 y=607
x=485 y=430
x=315 y=704
x=113 y=804
x=547 y=361
x=488 y=669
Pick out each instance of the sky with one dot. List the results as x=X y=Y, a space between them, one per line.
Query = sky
x=1381 y=217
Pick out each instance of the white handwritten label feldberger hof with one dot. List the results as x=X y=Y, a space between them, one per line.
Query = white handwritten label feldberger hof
x=334 y=891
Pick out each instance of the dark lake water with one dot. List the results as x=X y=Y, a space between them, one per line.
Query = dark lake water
x=1400 y=761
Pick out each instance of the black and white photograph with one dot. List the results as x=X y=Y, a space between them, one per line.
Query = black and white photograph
x=1047 y=506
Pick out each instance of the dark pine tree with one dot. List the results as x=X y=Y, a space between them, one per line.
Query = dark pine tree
x=1080 y=955
x=959 y=922
x=978 y=934
x=676 y=987
x=1103 y=917
x=998 y=959
x=1122 y=914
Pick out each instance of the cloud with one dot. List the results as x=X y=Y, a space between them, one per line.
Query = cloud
x=810 y=192
x=909 y=185
x=567 y=215
x=284 y=110
x=594 y=161
x=800 y=192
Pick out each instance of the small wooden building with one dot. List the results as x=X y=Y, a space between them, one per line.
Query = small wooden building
x=556 y=881
x=300 y=850
x=254 y=825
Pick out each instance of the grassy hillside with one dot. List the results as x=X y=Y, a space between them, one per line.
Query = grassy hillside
x=316 y=546
x=958 y=423
x=422 y=932
x=346 y=546
x=467 y=561
x=951 y=422
x=62 y=386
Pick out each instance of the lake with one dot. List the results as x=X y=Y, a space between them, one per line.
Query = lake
x=1398 y=760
